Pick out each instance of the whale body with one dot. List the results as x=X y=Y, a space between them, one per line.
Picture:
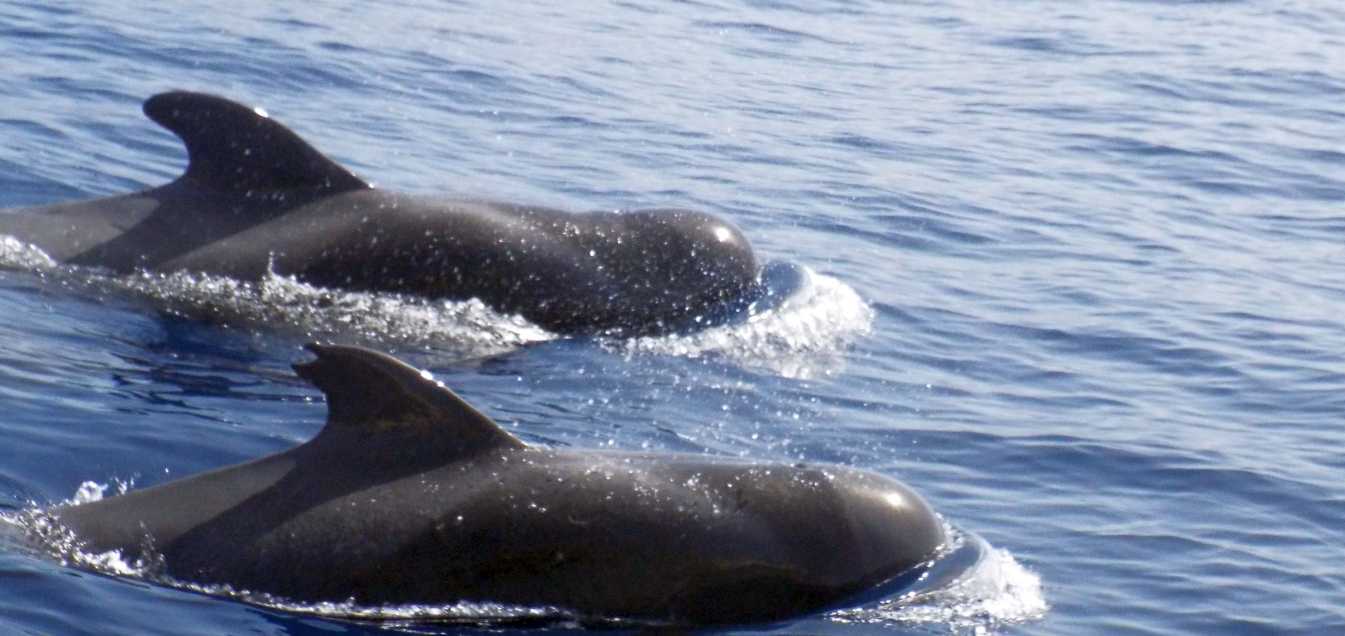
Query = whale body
x=410 y=495
x=255 y=197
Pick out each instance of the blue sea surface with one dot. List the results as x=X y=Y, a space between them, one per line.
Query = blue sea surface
x=1074 y=271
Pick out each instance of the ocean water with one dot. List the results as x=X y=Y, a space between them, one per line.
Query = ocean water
x=1071 y=270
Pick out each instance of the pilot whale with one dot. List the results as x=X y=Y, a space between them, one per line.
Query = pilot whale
x=256 y=197
x=410 y=495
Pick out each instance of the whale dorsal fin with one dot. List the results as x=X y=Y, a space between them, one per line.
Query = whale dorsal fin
x=236 y=148
x=373 y=392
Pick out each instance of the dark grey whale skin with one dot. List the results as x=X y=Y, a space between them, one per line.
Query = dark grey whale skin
x=257 y=196
x=410 y=495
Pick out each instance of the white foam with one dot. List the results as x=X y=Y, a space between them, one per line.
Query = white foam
x=46 y=532
x=801 y=336
x=88 y=492
x=995 y=592
x=15 y=254
x=469 y=327
x=91 y=491
x=465 y=612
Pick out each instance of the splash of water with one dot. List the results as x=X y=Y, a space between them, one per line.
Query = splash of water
x=799 y=329
x=466 y=328
x=15 y=254
x=984 y=596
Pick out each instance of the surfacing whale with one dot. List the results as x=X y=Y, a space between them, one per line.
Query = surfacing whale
x=256 y=197
x=411 y=495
